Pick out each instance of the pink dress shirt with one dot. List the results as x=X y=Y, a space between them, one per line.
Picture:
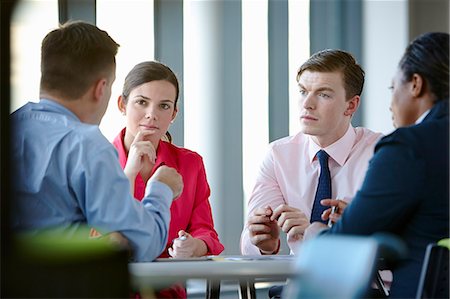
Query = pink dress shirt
x=290 y=170
x=191 y=211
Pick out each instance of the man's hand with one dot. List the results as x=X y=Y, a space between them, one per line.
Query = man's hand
x=118 y=239
x=170 y=177
x=264 y=232
x=339 y=205
x=291 y=220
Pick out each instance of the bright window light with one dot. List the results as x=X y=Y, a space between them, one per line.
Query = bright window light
x=255 y=90
x=298 y=53
x=30 y=23
x=130 y=24
x=194 y=91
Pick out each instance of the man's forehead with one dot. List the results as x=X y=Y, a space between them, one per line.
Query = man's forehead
x=315 y=77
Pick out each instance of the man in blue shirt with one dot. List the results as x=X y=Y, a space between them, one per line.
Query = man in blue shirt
x=66 y=172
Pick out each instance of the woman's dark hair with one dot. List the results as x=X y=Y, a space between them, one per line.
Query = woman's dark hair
x=428 y=56
x=148 y=71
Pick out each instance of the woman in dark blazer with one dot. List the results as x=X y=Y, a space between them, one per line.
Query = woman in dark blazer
x=406 y=188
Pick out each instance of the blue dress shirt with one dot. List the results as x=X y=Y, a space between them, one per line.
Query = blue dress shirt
x=67 y=174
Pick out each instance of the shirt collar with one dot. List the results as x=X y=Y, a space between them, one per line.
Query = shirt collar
x=421 y=118
x=167 y=153
x=338 y=151
x=55 y=106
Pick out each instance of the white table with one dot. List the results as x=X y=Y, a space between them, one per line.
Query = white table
x=245 y=269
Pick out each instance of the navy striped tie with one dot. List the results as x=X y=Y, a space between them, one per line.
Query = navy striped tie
x=323 y=188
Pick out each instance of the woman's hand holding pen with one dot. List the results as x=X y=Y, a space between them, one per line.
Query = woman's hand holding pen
x=334 y=213
x=187 y=246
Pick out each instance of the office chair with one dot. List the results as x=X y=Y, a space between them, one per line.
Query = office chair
x=434 y=281
x=336 y=267
x=391 y=250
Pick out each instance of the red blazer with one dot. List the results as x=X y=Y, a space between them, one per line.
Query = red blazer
x=191 y=211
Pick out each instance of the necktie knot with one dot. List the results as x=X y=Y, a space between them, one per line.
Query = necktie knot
x=322 y=156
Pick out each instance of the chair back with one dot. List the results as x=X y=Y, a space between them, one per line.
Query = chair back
x=434 y=282
x=334 y=267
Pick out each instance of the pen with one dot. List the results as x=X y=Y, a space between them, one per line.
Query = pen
x=182 y=238
x=334 y=209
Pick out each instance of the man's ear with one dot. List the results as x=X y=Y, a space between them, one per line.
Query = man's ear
x=417 y=86
x=352 y=106
x=100 y=89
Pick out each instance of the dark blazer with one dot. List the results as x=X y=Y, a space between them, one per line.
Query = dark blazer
x=406 y=192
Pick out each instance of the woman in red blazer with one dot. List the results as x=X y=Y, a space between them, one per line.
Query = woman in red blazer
x=149 y=102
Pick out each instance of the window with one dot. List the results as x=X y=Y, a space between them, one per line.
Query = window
x=255 y=90
x=30 y=23
x=298 y=53
x=255 y=79
x=130 y=24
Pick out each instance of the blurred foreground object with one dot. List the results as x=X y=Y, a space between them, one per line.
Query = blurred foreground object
x=52 y=264
x=339 y=266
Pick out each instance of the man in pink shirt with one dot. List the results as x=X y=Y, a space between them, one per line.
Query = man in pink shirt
x=330 y=84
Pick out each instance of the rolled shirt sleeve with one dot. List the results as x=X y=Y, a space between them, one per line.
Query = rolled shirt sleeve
x=265 y=193
x=109 y=206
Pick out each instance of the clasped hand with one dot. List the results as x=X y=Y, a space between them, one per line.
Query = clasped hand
x=265 y=224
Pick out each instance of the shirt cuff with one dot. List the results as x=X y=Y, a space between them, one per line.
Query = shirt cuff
x=271 y=252
x=156 y=188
